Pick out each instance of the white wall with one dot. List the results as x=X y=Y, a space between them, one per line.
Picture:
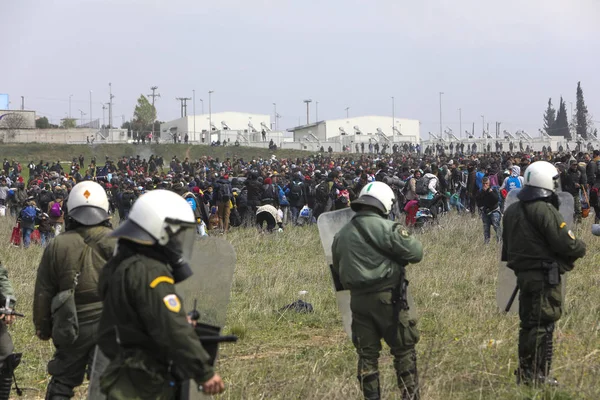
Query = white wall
x=234 y=120
x=369 y=124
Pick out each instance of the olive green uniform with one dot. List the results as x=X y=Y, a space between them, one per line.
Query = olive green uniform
x=144 y=329
x=535 y=233
x=372 y=269
x=83 y=250
x=6 y=290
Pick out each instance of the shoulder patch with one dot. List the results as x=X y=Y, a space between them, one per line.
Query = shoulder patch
x=161 y=279
x=563 y=225
x=172 y=302
x=571 y=234
x=404 y=233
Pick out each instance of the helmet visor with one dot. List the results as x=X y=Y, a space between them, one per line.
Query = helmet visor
x=183 y=242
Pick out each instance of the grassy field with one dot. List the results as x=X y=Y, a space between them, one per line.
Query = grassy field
x=24 y=153
x=467 y=349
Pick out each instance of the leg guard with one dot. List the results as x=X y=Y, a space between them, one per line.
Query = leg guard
x=370 y=386
x=7 y=375
x=408 y=380
x=545 y=358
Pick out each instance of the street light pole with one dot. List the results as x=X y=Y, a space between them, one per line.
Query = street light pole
x=441 y=132
x=210 y=92
x=90 y=109
x=202 y=105
x=70 y=105
x=482 y=125
x=460 y=122
x=275 y=114
x=194 y=105
x=307 y=111
x=316 y=111
x=393 y=116
x=347 y=114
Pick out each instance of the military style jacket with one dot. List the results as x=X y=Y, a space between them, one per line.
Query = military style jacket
x=366 y=268
x=544 y=236
x=6 y=288
x=84 y=250
x=142 y=306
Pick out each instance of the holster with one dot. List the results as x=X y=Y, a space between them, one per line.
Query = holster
x=551 y=272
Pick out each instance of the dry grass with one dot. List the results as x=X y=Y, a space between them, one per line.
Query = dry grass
x=467 y=349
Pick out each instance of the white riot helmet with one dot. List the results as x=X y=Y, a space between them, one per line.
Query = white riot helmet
x=378 y=195
x=541 y=180
x=163 y=218
x=88 y=204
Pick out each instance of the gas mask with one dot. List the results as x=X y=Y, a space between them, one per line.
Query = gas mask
x=179 y=252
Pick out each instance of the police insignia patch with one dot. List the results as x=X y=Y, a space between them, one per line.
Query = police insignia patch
x=172 y=302
x=571 y=234
x=404 y=233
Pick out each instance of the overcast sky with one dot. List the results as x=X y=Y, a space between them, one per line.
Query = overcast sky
x=498 y=59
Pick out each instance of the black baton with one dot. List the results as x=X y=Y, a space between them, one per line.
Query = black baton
x=512 y=299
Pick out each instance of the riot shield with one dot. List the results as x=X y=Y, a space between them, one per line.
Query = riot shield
x=506 y=286
x=329 y=224
x=205 y=296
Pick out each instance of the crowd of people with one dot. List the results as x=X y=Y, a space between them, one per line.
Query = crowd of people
x=276 y=193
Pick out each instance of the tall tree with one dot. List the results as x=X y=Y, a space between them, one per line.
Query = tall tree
x=144 y=114
x=68 y=123
x=550 y=118
x=562 y=121
x=581 y=116
x=42 y=123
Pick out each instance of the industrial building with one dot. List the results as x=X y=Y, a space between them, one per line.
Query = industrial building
x=231 y=126
x=340 y=133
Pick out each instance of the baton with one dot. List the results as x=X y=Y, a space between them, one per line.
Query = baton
x=512 y=299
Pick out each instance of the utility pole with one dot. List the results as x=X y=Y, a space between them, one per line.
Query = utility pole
x=275 y=114
x=482 y=125
x=308 y=101
x=194 y=106
x=154 y=95
x=441 y=132
x=23 y=103
x=110 y=97
x=183 y=101
x=70 y=105
x=393 y=117
x=460 y=122
x=210 y=92
x=347 y=114
x=103 y=119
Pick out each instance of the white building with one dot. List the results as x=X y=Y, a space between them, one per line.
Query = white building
x=339 y=133
x=244 y=127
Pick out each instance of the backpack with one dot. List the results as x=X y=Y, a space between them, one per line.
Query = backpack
x=225 y=191
x=28 y=214
x=191 y=202
x=493 y=180
x=242 y=200
x=312 y=191
x=127 y=199
x=422 y=186
x=269 y=193
x=513 y=182
x=295 y=191
x=56 y=210
x=322 y=192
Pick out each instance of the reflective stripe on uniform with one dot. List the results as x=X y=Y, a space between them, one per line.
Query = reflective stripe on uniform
x=161 y=279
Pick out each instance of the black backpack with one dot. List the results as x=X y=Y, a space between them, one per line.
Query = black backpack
x=269 y=193
x=322 y=192
x=127 y=199
x=422 y=186
x=295 y=191
x=225 y=191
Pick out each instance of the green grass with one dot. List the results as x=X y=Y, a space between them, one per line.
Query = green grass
x=24 y=153
x=467 y=348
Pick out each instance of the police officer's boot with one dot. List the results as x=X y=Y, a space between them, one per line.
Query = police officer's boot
x=7 y=374
x=524 y=372
x=545 y=364
x=370 y=386
x=408 y=380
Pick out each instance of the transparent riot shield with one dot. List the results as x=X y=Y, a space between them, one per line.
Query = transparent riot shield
x=205 y=297
x=506 y=286
x=329 y=224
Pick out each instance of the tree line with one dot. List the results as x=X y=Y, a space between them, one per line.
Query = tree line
x=581 y=124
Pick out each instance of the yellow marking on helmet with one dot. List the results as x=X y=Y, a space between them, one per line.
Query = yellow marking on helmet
x=161 y=279
x=563 y=225
x=86 y=194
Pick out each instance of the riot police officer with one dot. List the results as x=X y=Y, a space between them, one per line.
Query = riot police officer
x=66 y=306
x=539 y=247
x=369 y=256
x=144 y=330
x=8 y=359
